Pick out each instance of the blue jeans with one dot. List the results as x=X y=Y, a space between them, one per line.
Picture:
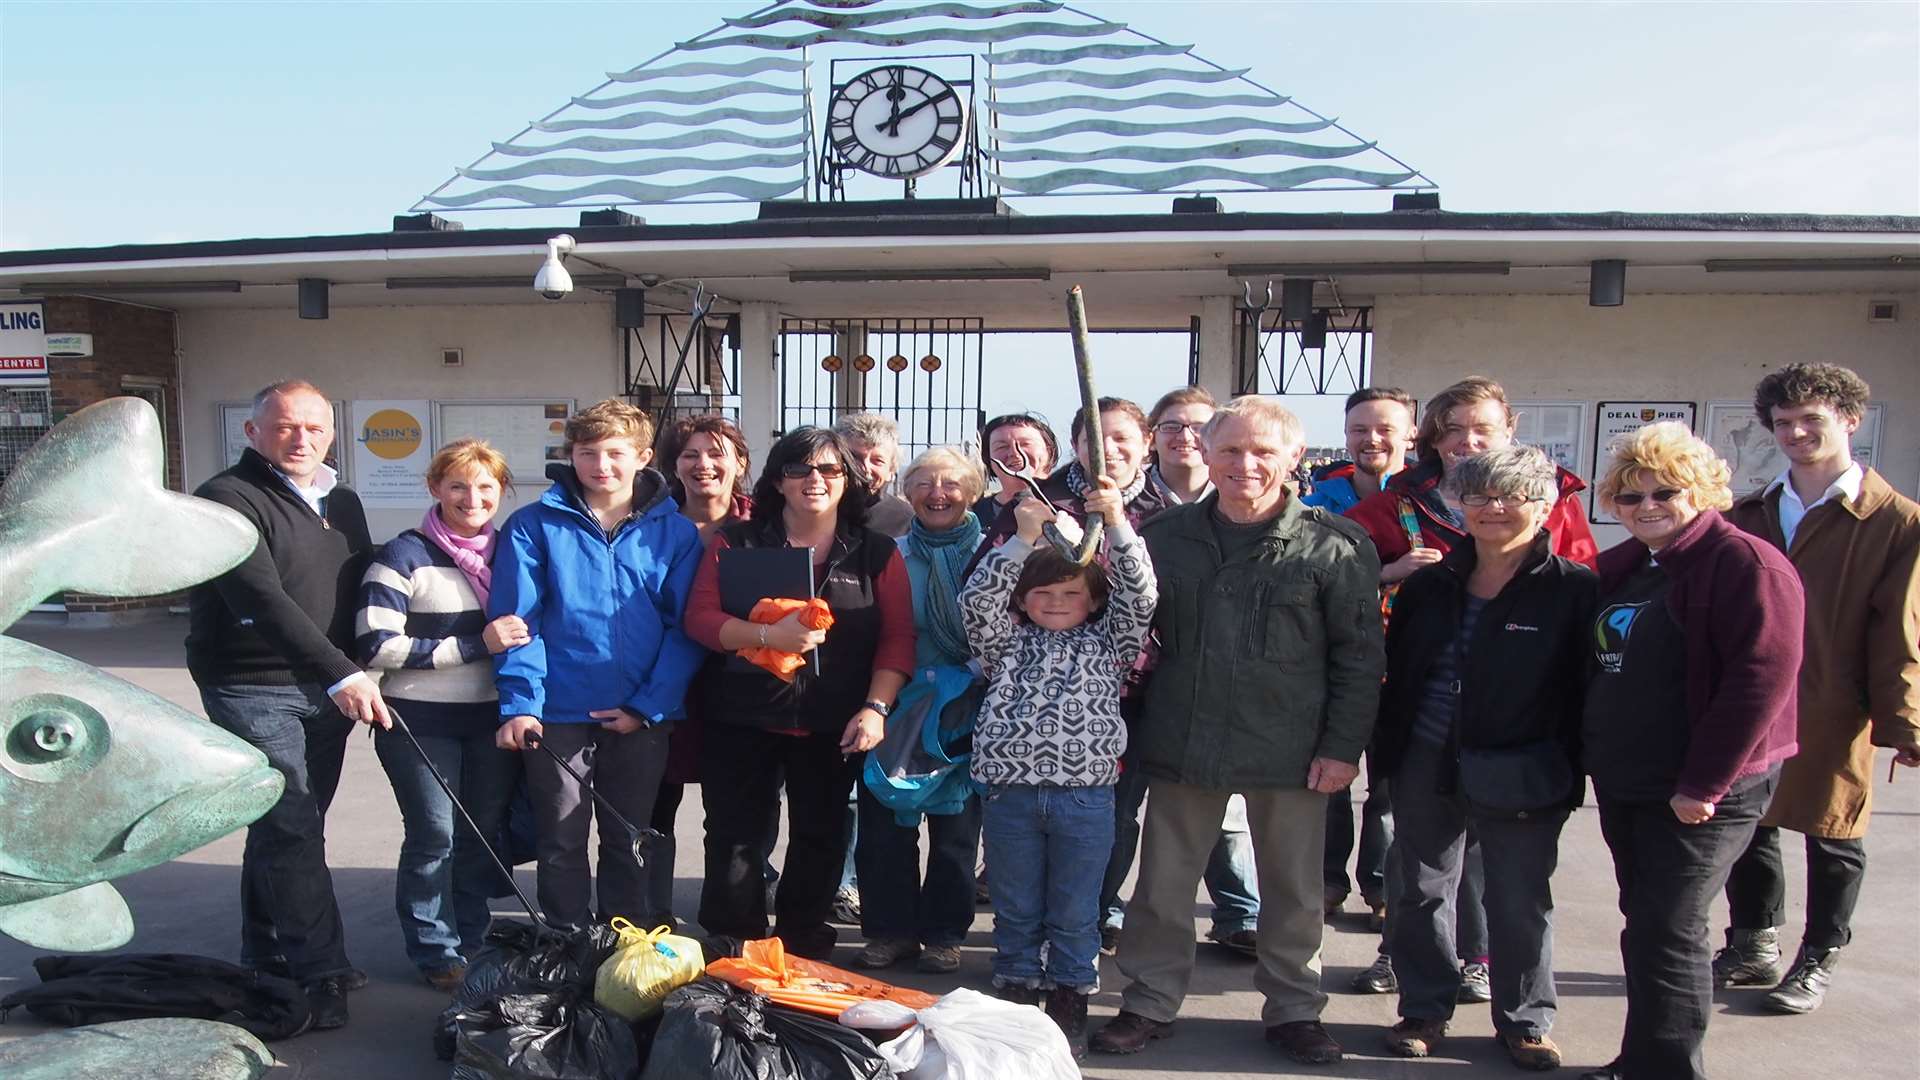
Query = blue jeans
x=1376 y=836
x=288 y=914
x=1232 y=885
x=440 y=888
x=1048 y=847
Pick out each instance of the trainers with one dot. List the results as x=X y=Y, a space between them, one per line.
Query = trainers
x=1806 y=985
x=1109 y=940
x=1067 y=1008
x=1476 y=985
x=846 y=906
x=939 y=959
x=1243 y=942
x=1535 y=1052
x=327 y=1000
x=1378 y=979
x=1751 y=958
x=886 y=952
x=1306 y=1042
x=1411 y=1038
x=1128 y=1033
x=446 y=979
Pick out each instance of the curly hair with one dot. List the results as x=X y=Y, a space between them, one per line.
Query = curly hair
x=1673 y=456
x=1807 y=384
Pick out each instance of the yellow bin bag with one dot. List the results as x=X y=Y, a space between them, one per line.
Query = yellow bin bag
x=648 y=965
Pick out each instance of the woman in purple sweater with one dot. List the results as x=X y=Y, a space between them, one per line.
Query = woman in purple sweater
x=1690 y=710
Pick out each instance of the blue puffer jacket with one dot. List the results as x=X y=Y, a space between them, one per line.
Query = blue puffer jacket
x=606 y=614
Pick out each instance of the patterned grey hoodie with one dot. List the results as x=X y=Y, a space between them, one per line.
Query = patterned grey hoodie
x=1052 y=711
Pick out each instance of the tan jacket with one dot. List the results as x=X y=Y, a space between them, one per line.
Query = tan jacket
x=1860 y=681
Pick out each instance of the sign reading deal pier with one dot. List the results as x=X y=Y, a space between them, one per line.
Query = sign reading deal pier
x=1617 y=418
x=391 y=450
x=23 y=344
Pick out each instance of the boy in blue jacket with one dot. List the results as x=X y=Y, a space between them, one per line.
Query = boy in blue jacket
x=599 y=569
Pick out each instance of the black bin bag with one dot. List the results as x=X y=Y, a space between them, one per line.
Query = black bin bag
x=712 y=1029
x=521 y=958
x=559 y=1035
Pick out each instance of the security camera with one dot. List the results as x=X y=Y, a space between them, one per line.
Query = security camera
x=553 y=281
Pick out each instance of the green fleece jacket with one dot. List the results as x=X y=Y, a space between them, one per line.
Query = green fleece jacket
x=1268 y=659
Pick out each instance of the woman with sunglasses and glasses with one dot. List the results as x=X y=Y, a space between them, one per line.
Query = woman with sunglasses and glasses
x=812 y=734
x=1690 y=709
x=1479 y=726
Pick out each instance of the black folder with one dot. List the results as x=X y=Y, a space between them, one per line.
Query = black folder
x=751 y=574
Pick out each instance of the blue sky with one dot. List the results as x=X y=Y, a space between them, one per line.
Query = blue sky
x=163 y=122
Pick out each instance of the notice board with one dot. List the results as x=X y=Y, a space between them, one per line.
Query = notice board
x=530 y=432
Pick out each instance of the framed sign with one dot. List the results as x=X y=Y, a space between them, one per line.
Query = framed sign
x=1746 y=445
x=1552 y=427
x=529 y=432
x=233 y=433
x=1613 y=418
x=391 y=448
x=23 y=344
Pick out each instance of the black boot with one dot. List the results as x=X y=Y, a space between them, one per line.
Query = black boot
x=1018 y=994
x=1806 y=985
x=1067 y=1007
x=1751 y=958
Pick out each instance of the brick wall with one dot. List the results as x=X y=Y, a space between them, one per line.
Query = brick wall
x=130 y=342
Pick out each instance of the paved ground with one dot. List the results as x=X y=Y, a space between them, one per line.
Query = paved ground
x=1864 y=1032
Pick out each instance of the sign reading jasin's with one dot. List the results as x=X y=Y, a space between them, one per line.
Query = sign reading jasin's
x=23 y=344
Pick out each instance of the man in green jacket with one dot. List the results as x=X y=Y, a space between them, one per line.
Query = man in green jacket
x=1268 y=680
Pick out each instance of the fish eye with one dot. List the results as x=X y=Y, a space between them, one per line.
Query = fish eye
x=50 y=737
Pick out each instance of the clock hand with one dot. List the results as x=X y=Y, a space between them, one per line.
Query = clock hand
x=895 y=94
x=916 y=107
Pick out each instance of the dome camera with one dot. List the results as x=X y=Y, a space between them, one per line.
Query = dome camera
x=553 y=281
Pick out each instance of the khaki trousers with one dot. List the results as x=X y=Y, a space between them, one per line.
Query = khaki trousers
x=1289 y=829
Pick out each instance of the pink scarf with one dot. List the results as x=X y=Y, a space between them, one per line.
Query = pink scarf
x=472 y=554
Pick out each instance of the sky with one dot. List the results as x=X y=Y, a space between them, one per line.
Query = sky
x=169 y=122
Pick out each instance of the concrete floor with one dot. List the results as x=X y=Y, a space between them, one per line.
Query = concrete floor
x=1864 y=1032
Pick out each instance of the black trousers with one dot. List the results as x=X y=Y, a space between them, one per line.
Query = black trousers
x=894 y=900
x=1757 y=888
x=1669 y=874
x=741 y=770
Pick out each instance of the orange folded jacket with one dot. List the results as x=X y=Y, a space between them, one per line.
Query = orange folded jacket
x=814 y=615
x=807 y=985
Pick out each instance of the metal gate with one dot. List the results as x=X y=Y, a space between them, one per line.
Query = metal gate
x=1330 y=352
x=924 y=373
x=25 y=416
x=669 y=376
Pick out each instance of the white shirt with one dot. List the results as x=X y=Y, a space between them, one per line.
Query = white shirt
x=1792 y=510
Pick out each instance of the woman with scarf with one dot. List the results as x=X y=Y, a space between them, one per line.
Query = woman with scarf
x=900 y=914
x=422 y=625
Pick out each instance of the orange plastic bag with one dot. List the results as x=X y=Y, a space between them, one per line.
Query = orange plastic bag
x=814 y=615
x=807 y=985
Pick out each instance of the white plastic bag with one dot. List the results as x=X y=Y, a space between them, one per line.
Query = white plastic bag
x=967 y=1035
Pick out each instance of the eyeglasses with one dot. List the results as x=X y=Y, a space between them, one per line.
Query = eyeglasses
x=1635 y=498
x=799 y=470
x=1175 y=427
x=1478 y=501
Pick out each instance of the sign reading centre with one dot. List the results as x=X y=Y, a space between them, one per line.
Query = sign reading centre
x=391 y=451
x=23 y=345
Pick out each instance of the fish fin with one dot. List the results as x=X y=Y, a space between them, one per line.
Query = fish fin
x=87 y=510
x=92 y=918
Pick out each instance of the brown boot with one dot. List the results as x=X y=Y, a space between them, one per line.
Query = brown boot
x=1535 y=1052
x=1411 y=1038
x=1128 y=1033
x=1306 y=1042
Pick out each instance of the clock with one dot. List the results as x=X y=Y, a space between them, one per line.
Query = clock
x=896 y=121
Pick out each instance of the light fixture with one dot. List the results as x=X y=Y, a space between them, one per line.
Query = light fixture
x=986 y=273
x=1296 y=299
x=1321 y=270
x=553 y=281
x=86 y=288
x=313 y=298
x=629 y=308
x=1607 y=286
x=1313 y=332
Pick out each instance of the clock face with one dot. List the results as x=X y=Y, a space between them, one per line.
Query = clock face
x=896 y=121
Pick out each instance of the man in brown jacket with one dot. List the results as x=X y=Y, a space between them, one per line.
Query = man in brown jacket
x=1856 y=543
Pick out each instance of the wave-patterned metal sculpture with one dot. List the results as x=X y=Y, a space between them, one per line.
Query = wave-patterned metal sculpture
x=1071 y=103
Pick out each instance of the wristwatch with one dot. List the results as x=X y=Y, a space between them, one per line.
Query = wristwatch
x=880 y=707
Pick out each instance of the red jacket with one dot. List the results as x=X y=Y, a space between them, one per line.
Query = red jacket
x=1419 y=487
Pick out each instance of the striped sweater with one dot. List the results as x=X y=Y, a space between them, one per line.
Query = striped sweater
x=419 y=628
x=1052 y=710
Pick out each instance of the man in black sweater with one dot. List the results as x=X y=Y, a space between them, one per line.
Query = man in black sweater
x=267 y=647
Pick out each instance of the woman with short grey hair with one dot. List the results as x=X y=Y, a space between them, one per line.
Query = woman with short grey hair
x=1480 y=728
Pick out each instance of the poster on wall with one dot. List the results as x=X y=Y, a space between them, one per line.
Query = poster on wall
x=23 y=345
x=1740 y=438
x=1553 y=427
x=530 y=433
x=1617 y=418
x=233 y=433
x=391 y=450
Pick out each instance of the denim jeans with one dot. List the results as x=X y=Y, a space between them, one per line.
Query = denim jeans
x=440 y=888
x=1047 y=847
x=1230 y=878
x=1669 y=874
x=1376 y=835
x=1429 y=859
x=288 y=914
x=895 y=903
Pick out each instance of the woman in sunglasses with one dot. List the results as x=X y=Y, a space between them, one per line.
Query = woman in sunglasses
x=1690 y=709
x=812 y=733
x=1479 y=727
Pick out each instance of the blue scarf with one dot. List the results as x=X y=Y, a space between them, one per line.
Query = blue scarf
x=946 y=553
